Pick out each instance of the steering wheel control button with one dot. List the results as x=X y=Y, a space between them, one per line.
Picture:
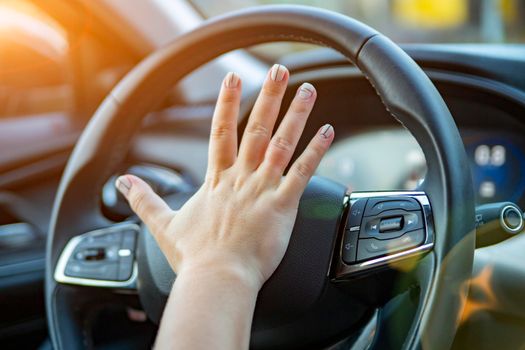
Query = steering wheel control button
x=125 y=268
x=102 y=258
x=107 y=238
x=91 y=254
x=391 y=224
x=124 y=252
x=382 y=226
x=355 y=214
x=372 y=227
x=92 y=270
x=413 y=221
x=377 y=206
x=373 y=248
x=350 y=247
x=128 y=241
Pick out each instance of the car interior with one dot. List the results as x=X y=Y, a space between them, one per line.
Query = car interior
x=410 y=236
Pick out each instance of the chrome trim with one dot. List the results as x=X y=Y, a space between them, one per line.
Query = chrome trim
x=344 y=271
x=60 y=269
x=504 y=224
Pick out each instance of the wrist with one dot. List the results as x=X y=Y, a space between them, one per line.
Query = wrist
x=232 y=276
x=215 y=299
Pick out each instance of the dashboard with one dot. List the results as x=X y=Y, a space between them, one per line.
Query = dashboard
x=372 y=151
x=396 y=162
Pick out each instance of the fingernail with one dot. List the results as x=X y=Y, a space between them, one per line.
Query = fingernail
x=231 y=80
x=123 y=184
x=326 y=131
x=306 y=90
x=277 y=72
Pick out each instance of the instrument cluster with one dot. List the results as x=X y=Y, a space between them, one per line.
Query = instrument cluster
x=391 y=159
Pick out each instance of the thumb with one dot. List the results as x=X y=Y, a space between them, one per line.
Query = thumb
x=149 y=207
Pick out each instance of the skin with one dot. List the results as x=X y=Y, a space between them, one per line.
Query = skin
x=229 y=238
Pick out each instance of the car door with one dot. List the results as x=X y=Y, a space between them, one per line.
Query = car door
x=37 y=129
x=56 y=65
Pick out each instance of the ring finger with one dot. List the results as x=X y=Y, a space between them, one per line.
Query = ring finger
x=284 y=142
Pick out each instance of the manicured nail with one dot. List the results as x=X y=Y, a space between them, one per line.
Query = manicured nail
x=123 y=184
x=277 y=72
x=231 y=80
x=306 y=91
x=326 y=131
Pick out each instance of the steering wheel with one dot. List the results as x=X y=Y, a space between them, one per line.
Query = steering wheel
x=347 y=251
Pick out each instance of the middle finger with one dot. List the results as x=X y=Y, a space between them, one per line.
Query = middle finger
x=262 y=119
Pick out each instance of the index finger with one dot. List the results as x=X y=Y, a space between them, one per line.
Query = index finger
x=223 y=135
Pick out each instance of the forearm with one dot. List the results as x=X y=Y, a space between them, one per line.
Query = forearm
x=208 y=309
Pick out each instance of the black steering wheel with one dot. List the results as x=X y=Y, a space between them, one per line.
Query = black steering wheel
x=346 y=249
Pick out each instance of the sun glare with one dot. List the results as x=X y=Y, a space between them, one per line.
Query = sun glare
x=29 y=25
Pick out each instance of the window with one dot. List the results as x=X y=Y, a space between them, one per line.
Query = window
x=34 y=69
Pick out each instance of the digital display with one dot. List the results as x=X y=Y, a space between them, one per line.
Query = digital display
x=498 y=167
x=486 y=155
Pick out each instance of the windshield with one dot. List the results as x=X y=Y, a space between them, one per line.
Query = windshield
x=404 y=21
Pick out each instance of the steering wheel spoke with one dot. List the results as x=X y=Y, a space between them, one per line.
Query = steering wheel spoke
x=383 y=228
x=101 y=258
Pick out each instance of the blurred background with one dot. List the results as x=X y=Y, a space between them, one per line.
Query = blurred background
x=407 y=21
x=35 y=52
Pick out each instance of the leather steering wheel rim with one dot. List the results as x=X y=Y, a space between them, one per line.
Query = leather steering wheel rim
x=403 y=87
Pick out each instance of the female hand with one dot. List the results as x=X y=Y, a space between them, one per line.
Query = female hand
x=240 y=220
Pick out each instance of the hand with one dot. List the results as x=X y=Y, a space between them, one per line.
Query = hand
x=240 y=221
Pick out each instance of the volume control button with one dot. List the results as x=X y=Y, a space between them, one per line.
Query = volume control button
x=355 y=214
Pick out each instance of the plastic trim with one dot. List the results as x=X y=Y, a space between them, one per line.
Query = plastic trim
x=345 y=271
x=61 y=277
x=504 y=224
